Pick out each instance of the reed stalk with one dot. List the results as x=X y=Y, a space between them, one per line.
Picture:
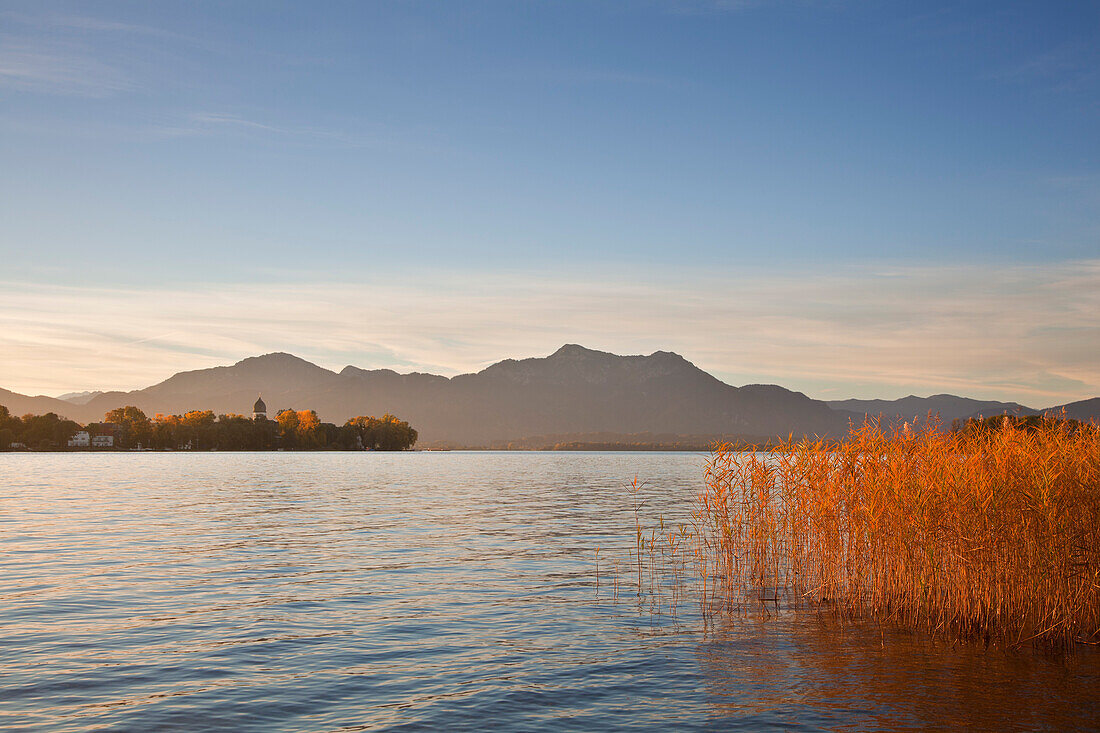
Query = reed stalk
x=990 y=534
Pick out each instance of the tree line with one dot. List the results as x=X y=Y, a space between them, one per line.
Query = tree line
x=1029 y=423
x=36 y=431
x=203 y=430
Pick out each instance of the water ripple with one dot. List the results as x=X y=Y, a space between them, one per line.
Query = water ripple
x=428 y=591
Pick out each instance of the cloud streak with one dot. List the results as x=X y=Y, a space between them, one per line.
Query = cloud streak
x=1029 y=334
x=58 y=69
x=83 y=23
x=75 y=55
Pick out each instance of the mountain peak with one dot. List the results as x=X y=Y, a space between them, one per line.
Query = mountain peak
x=575 y=350
x=275 y=357
x=79 y=398
x=667 y=355
x=279 y=362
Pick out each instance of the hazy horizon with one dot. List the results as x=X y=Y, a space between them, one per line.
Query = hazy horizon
x=846 y=199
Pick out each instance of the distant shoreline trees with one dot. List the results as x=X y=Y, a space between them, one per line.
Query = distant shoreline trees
x=203 y=430
x=35 y=431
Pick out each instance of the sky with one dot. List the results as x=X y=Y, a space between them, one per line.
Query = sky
x=851 y=199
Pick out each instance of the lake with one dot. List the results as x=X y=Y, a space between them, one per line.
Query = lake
x=431 y=591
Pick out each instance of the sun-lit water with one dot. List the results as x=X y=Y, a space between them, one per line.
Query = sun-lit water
x=345 y=591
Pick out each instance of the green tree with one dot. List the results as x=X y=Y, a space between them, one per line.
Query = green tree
x=47 y=431
x=7 y=428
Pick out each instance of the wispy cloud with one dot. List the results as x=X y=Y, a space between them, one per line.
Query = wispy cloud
x=74 y=55
x=1065 y=69
x=57 y=21
x=62 y=69
x=1030 y=334
x=210 y=123
x=213 y=123
x=209 y=120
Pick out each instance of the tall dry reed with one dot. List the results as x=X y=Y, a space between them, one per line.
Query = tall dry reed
x=991 y=534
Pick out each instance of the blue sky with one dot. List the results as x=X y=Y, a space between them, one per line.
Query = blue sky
x=823 y=159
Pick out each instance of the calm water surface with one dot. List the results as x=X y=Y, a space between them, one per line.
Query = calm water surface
x=439 y=591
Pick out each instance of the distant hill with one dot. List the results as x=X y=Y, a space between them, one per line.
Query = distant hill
x=19 y=405
x=1083 y=410
x=949 y=407
x=79 y=398
x=225 y=390
x=573 y=391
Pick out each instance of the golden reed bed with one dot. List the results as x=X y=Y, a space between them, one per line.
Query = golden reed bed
x=983 y=533
x=989 y=533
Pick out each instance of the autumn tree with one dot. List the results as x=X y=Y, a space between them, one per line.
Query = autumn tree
x=288 y=427
x=199 y=418
x=164 y=431
x=385 y=433
x=135 y=426
x=309 y=430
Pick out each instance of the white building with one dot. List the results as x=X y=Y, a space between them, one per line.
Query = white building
x=80 y=440
x=103 y=441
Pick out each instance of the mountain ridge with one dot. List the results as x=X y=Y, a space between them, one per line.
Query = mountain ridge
x=949 y=407
x=572 y=391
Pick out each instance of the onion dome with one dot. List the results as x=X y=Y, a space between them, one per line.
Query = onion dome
x=259 y=406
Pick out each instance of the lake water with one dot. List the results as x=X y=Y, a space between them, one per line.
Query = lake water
x=434 y=591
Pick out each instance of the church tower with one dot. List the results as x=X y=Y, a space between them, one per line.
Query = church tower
x=259 y=410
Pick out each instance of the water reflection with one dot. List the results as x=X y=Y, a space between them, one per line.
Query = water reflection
x=813 y=670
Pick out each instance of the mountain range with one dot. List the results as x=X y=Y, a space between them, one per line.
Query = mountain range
x=948 y=406
x=574 y=391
